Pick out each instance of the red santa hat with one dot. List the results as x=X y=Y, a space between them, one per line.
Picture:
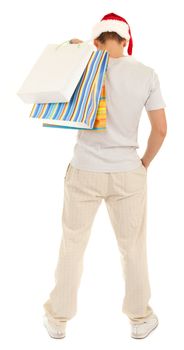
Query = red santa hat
x=114 y=23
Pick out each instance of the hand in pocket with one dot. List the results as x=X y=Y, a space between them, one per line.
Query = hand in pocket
x=144 y=165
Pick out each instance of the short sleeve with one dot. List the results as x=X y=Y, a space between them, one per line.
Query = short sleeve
x=155 y=99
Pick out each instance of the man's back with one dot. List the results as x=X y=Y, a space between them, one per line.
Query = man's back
x=130 y=85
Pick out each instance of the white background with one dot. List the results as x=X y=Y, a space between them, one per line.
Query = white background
x=33 y=165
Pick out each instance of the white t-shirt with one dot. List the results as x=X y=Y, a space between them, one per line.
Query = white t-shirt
x=130 y=85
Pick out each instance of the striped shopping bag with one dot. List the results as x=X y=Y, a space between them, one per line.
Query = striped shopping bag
x=100 y=121
x=87 y=106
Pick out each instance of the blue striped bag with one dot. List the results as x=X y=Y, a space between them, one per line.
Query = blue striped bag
x=86 y=104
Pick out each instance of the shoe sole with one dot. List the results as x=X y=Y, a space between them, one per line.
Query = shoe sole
x=144 y=336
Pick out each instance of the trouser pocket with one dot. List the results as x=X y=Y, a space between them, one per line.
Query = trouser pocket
x=144 y=168
x=67 y=170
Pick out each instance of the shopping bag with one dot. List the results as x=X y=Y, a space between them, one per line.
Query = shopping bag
x=81 y=111
x=56 y=73
x=101 y=116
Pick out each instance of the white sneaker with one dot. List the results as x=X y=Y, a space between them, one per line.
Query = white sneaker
x=54 y=331
x=141 y=330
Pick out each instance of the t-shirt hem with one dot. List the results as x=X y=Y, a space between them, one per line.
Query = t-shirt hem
x=120 y=168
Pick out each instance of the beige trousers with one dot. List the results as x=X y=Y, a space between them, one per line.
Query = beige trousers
x=125 y=195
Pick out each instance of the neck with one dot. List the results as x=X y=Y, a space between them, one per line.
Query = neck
x=116 y=55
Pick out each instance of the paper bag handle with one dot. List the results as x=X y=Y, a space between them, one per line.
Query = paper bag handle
x=68 y=42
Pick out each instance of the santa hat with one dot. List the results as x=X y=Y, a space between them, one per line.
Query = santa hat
x=114 y=23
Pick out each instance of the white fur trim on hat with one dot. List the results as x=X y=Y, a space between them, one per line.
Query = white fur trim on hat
x=111 y=25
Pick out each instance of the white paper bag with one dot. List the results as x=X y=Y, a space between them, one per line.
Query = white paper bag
x=56 y=73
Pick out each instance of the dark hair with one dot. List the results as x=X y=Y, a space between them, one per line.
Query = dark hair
x=109 y=35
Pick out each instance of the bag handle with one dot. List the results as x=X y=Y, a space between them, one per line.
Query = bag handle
x=68 y=42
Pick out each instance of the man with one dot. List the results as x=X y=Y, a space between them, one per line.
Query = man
x=107 y=166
